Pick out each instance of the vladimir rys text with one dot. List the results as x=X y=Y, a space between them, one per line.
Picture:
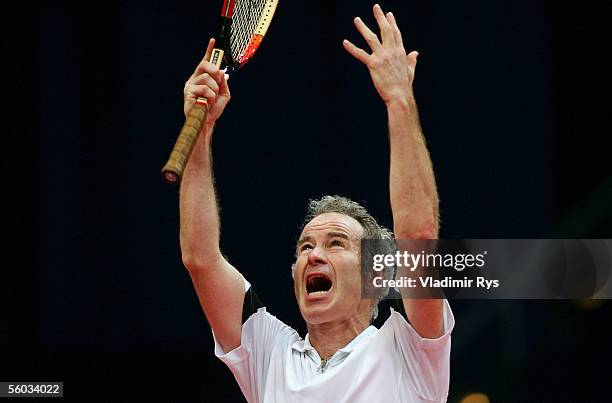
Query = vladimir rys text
x=413 y=261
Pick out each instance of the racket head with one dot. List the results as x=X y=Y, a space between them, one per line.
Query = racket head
x=244 y=24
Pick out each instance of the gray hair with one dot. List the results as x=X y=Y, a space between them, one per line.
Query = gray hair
x=371 y=228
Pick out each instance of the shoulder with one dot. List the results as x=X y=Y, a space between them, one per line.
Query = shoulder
x=402 y=331
x=263 y=326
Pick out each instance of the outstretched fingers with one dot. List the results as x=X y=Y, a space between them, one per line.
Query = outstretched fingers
x=356 y=52
x=390 y=35
x=386 y=31
x=397 y=34
x=367 y=34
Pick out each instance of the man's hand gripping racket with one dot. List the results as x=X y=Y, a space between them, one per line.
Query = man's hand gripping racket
x=244 y=24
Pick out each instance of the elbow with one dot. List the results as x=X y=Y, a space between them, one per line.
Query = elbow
x=196 y=263
x=410 y=227
x=419 y=233
x=197 y=254
x=191 y=263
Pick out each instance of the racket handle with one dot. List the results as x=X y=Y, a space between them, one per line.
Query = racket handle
x=172 y=172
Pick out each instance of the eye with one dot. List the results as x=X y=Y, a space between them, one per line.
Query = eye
x=305 y=246
x=336 y=243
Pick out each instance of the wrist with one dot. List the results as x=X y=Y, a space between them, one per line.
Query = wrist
x=208 y=127
x=405 y=103
x=202 y=146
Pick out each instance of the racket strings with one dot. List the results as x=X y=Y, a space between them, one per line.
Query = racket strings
x=244 y=24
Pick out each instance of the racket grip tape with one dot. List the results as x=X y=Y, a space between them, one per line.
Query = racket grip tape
x=172 y=172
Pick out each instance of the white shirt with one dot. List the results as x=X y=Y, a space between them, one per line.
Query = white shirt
x=390 y=364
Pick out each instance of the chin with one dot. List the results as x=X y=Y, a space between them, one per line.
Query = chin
x=317 y=317
x=317 y=313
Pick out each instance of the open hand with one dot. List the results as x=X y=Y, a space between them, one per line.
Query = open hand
x=391 y=69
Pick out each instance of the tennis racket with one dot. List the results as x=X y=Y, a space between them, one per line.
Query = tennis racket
x=243 y=26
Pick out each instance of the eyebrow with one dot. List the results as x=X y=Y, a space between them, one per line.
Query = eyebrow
x=338 y=235
x=330 y=234
x=304 y=240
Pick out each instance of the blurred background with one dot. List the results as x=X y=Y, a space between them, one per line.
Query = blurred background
x=512 y=98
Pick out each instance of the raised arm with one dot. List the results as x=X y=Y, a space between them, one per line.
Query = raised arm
x=412 y=186
x=219 y=286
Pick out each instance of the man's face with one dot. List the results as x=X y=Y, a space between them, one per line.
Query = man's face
x=327 y=275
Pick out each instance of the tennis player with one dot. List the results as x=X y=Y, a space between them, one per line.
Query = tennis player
x=343 y=358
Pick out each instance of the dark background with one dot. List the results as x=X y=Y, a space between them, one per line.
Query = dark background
x=512 y=96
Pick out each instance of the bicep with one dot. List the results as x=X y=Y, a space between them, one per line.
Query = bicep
x=220 y=289
x=426 y=316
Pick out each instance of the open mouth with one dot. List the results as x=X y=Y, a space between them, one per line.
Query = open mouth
x=318 y=284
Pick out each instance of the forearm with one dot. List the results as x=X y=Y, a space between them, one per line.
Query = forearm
x=199 y=217
x=412 y=186
x=414 y=202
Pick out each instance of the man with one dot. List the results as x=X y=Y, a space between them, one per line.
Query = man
x=343 y=358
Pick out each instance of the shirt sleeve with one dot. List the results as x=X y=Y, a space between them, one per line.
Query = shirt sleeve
x=262 y=333
x=426 y=362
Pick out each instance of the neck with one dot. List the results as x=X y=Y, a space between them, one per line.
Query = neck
x=327 y=338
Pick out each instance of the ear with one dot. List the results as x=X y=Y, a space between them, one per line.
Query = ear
x=293 y=271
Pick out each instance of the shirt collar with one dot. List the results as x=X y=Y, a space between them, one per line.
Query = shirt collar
x=304 y=345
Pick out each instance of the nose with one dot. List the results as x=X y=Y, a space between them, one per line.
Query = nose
x=317 y=256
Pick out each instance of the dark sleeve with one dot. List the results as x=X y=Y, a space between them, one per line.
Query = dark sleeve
x=398 y=305
x=251 y=304
x=392 y=301
x=396 y=301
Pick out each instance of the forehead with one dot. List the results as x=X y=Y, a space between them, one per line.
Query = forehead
x=334 y=222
